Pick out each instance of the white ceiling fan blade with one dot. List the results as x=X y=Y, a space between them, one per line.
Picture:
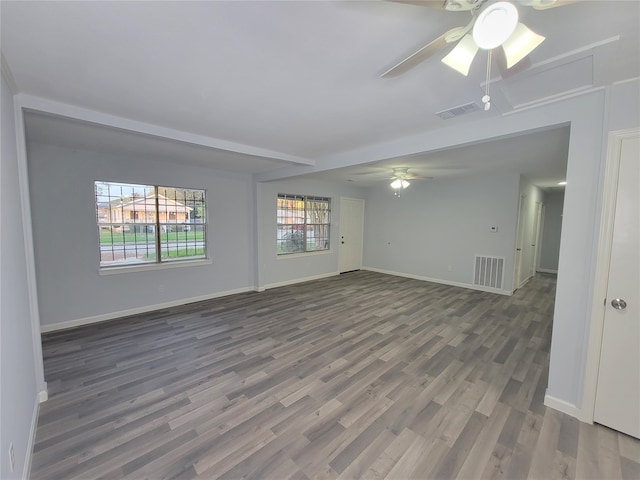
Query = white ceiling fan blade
x=451 y=5
x=424 y=53
x=462 y=55
x=545 y=4
x=521 y=43
x=440 y=4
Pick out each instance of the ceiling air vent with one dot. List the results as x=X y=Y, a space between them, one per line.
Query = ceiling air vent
x=457 y=111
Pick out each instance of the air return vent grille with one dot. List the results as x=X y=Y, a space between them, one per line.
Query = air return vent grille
x=488 y=271
x=457 y=111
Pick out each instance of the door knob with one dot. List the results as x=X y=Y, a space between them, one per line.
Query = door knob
x=618 y=304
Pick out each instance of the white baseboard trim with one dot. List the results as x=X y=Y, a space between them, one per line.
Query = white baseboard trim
x=297 y=280
x=28 y=456
x=443 y=282
x=562 y=406
x=546 y=270
x=134 y=311
x=43 y=395
x=525 y=281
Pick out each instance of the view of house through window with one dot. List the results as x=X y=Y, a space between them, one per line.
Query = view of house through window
x=303 y=223
x=139 y=224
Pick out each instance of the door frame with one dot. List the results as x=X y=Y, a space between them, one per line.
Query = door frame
x=537 y=236
x=602 y=263
x=541 y=235
x=517 y=259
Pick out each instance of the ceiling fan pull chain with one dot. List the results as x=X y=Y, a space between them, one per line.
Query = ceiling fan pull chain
x=487 y=99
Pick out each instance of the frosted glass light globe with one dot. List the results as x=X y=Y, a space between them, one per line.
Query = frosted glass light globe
x=495 y=24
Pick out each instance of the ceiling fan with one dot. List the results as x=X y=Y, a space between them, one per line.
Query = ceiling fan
x=401 y=176
x=493 y=24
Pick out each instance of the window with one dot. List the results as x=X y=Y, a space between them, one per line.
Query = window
x=143 y=224
x=303 y=223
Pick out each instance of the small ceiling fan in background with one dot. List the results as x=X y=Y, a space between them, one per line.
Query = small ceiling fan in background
x=400 y=179
x=492 y=25
x=398 y=175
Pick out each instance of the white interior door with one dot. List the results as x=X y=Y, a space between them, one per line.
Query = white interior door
x=535 y=239
x=517 y=273
x=618 y=388
x=351 y=234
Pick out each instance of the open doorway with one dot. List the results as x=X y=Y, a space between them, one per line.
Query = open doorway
x=551 y=228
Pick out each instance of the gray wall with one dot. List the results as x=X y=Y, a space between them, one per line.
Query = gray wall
x=70 y=287
x=572 y=311
x=624 y=109
x=551 y=230
x=278 y=270
x=436 y=227
x=18 y=387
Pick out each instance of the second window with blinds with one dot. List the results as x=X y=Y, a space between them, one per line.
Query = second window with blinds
x=303 y=223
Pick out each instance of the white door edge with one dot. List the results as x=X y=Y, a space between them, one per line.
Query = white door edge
x=517 y=264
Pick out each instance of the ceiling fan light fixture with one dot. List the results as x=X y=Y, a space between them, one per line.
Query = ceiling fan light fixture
x=495 y=25
x=520 y=44
x=399 y=183
x=462 y=55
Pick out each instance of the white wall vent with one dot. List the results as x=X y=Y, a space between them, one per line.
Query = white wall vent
x=457 y=111
x=489 y=271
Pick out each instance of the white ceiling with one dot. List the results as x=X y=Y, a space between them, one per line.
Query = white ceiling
x=297 y=77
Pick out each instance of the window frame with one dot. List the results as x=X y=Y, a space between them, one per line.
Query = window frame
x=305 y=226
x=154 y=220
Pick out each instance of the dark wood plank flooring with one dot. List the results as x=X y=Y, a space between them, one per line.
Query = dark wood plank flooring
x=362 y=375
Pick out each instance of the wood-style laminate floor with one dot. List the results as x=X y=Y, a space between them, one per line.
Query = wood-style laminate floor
x=362 y=375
